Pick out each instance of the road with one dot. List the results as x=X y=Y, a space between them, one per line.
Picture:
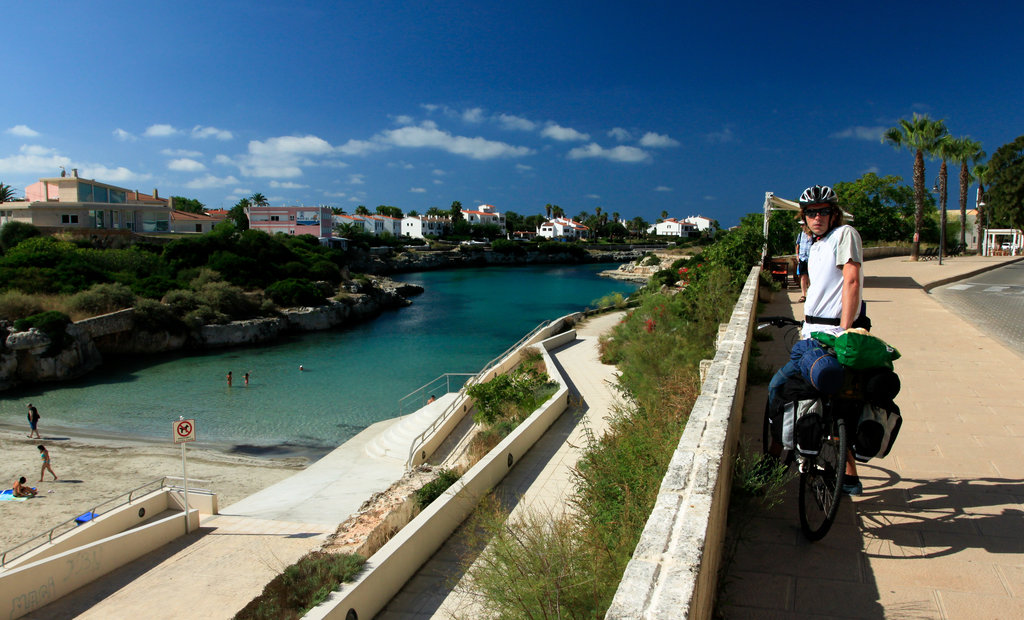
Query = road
x=992 y=301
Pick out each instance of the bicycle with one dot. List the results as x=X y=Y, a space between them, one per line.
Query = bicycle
x=821 y=474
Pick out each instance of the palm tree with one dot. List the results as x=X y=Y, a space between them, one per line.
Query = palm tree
x=6 y=193
x=615 y=216
x=557 y=211
x=547 y=210
x=919 y=135
x=944 y=149
x=258 y=200
x=980 y=172
x=965 y=151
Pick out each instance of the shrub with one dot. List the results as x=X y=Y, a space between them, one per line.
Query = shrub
x=295 y=292
x=101 y=299
x=52 y=323
x=513 y=395
x=228 y=300
x=17 y=305
x=433 y=489
x=506 y=246
x=153 y=287
x=302 y=586
x=155 y=317
x=13 y=233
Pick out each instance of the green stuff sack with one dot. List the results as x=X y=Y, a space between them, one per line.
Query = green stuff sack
x=859 y=351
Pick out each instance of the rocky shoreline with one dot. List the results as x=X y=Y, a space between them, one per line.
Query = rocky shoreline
x=24 y=357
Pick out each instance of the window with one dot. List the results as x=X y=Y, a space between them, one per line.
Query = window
x=199 y=228
x=69 y=218
x=275 y=218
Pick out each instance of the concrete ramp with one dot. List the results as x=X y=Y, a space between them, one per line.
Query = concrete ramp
x=394 y=443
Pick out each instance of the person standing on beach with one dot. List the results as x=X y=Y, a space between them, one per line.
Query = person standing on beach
x=33 y=421
x=247 y=378
x=229 y=378
x=45 y=455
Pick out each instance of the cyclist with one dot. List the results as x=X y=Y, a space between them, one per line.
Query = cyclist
x=834 y=301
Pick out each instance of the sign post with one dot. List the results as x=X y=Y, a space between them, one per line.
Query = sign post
x=183 y=432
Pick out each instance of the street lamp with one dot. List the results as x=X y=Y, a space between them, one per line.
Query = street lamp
x=942 y=222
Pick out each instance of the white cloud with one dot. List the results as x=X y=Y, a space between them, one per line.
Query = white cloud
x=523 y=167
x=282 y=156
x=181 y=153
x=33 y=159
x=872 y=169
x=663 y=188
x=427 y=135
x=211 y=132
x=655 y=140
x=104 y=174
x=473 y=115
x=430 y=107
x=404 y=119
x=124 y=136
x=356 y=179
x=335 y=194
x=509 y=121
x=287 y=185
x=359 y=147
x=185 y=165
x=438 y=172
x=22 y=131
x=209 y=181
x=870 y=134
x=620 y=134
x=563 y=134
x=721 y=137
x=417 y=190
x=438 y=182
x=629 y=154
x=160 y=131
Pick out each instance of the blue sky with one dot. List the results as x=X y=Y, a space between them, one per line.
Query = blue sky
x=638 y=107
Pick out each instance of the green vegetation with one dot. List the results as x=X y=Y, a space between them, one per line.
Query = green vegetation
x=570 y=566
x=52 y=323
x=433 y=489
x=302 y=586
x=1006 y=190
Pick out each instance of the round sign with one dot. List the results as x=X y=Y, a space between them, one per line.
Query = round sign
x=184 y=430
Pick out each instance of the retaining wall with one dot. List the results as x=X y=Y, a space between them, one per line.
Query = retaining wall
x=674 y=569
x=398 y=560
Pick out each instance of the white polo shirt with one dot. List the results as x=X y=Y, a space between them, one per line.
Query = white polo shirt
x=825 y=269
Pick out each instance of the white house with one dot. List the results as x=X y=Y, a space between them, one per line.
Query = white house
x=672 y=227
x=485 y=214
x=702 y=223
x=375 y=225
x=420 y=226
x=185 y=222
x=563 y=228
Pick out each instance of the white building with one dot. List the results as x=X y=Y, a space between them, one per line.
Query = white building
x=375 y=225
x=672 y=227
x=420 y=226
x=702 y=223
x=563 y=228
x=485 y=214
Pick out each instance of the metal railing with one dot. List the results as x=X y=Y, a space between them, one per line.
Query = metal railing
x=419 y=440
x=103 y=507
x=415 y=399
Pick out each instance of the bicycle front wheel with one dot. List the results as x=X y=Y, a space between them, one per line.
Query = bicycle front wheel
x=821 y=484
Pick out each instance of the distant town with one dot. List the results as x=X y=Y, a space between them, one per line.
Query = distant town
x=69 y=203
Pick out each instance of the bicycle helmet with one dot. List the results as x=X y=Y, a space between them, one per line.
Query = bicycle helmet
x=819 y=194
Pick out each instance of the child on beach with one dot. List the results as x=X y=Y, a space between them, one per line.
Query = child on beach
x=229 y=378
x=45 y=455
x=33 y=421
x=21 y=490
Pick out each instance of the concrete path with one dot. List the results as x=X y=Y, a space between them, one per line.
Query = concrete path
x=939 y=530
x=216 y=571
x=540 y=481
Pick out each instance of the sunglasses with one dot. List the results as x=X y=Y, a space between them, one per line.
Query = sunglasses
x=826 y=212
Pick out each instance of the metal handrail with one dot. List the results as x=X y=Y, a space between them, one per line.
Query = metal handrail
x=420 y=439
x=124 y=498
x=423 y=389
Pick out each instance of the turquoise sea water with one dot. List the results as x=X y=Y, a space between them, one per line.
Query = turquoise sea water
x=352 y=378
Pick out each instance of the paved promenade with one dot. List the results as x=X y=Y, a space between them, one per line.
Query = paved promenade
x=939 y=530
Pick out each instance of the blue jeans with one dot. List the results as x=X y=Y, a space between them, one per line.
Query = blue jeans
x=787 y=372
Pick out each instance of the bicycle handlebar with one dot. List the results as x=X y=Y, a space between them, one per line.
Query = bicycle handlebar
x=777 y=321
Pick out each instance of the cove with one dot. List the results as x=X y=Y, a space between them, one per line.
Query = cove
x=352 y=378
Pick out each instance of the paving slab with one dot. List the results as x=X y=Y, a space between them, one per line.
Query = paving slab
x=938 y=528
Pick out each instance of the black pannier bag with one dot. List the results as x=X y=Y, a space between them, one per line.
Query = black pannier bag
x=796 y=420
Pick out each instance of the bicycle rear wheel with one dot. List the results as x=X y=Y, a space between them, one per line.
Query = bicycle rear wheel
x=821 y=485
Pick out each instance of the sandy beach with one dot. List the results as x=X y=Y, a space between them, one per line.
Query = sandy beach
x=92 y=470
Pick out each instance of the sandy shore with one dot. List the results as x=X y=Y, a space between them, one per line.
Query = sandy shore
x=93 y=470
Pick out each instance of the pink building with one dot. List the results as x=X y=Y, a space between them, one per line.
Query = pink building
x=316 y=221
